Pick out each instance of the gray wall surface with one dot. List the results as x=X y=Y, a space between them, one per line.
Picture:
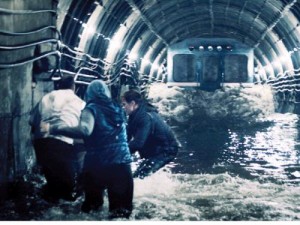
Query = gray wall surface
x=16 y=87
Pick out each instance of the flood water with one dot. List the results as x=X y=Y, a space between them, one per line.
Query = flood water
x=249 y=173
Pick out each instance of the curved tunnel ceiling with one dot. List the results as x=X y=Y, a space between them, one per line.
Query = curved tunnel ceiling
x=108 y=29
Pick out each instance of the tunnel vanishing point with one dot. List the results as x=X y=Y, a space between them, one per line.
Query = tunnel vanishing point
x=126 y=42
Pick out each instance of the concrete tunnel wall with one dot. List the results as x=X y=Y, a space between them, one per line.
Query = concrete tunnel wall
x=17 y=94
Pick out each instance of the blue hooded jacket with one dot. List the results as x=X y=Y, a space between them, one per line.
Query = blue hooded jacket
x=108 y=141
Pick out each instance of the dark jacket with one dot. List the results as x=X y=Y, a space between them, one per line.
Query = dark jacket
x=108 y=141
x=151 y=135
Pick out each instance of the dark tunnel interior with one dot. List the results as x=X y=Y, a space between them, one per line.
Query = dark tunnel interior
x=196 y=47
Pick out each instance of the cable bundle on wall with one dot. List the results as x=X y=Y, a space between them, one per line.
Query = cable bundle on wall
x=83 y=66
x=37 y=43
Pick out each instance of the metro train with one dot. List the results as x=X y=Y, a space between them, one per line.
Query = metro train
x=208 y=63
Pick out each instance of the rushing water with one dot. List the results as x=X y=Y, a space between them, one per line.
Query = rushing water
x=220 y=174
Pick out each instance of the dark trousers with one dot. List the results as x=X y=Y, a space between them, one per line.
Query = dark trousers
x=60 y=166
x=151 y=165
x=116 y=178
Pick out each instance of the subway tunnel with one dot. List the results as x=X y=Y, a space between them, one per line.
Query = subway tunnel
x=125 y=43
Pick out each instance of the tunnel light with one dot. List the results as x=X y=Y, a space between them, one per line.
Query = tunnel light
x=78 y=49
x=115 y=44
x=146 y=61
x=201 y=48
x=280 y=60
x=116 y=41
x=99 y=2
x=276 y=63
x=191 y=48
x=219 y=48
x=88 y=29
x=229 y=47
x=210 y=48
x=133 y=56
x=268 y=68
x=284 y=59
x=155 y=66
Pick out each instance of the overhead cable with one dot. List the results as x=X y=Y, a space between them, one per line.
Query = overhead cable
x=14 y=47
x=12 y=11
x=29 y=32
x=29 y=60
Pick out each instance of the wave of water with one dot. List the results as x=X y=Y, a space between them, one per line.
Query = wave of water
x=214 y=197
x=199 y=197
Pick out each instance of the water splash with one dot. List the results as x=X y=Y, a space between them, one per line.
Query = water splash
x=184 y=197
x=229 y=105
x=213 y=197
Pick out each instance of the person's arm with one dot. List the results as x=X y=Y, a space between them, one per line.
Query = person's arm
x=84 y=128
x=35 y=117
x=142 y=132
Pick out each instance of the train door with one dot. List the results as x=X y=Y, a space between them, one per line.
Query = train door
x=211 y=71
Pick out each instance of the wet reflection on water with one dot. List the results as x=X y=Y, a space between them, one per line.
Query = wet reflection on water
x=267 y=151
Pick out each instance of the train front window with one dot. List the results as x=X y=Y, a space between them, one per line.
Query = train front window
x=235 y=68
x=210 y=68
x=184 y=68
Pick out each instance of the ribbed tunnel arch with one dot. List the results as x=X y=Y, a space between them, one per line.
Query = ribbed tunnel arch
x=271 y=27
x=125 y=42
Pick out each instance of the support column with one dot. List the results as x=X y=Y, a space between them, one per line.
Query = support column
x=16 y=16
